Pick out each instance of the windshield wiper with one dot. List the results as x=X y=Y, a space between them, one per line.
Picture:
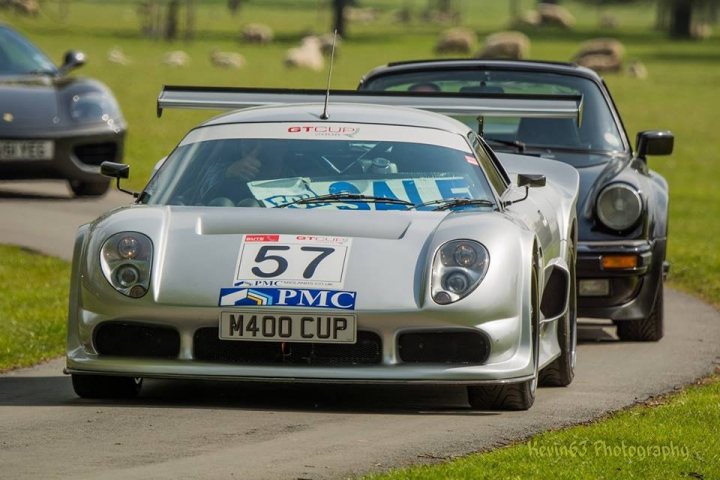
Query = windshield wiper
x=345 y=197
x=448 y=203
x=42 y=71
x=520 y=146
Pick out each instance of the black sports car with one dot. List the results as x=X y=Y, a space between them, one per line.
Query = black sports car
x=623 y=205
x=53 y=125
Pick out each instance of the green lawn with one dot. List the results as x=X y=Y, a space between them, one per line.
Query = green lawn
x=33 y=307
x=680 y=94
x=671 y=437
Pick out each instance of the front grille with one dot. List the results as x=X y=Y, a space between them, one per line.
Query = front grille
x=208 y=347
x=444 y=347
x=96 y=153
x=135 y=340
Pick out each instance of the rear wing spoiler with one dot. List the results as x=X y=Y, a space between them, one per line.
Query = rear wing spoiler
x=471 y=104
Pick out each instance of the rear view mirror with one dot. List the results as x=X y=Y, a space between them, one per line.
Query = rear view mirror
x=115 y=170
x=118 y=171
x=531 y=180
x=654 y=142
x=73 y=59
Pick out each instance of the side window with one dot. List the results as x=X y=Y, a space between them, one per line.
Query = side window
x=496 y=178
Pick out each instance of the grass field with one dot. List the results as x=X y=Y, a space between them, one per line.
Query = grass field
x=680 y=94
x=33 y=309
x=670 y=437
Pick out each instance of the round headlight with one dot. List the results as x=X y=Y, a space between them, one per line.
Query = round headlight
x=128 y=247
x=126 y=262
x=458 y=268
x=95 y=107
x=457 y=282
x=464 y=255
x=127 y=275
x=619 y=206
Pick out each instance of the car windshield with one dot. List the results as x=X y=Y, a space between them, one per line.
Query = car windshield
x=321 y=165
x=597 y=133
x=20 y=57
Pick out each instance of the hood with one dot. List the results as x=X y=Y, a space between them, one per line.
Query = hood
x=197 y=250
x=37 y=103
x=30 y=102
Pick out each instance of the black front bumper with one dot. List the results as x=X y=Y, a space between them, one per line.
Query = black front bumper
x=632 y=290
x=77 y=155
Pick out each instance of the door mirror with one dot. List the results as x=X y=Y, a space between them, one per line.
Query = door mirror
x=531 y=180
x=654 y=142
x=115 y=170
x=73 y=59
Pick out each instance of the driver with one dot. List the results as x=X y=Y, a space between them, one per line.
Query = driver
x=257 y=160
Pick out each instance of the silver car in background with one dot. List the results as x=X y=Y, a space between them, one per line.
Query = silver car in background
x=363 y=244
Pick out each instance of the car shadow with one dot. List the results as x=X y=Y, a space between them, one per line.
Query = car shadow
x=18 y=195
x=255 y=396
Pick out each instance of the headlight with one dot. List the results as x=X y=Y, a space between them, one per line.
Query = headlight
x=619 y=206
x=95 y=107
x=126 y=260
x=458 y=268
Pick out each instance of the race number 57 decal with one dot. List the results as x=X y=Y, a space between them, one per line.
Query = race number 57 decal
x=292 y=261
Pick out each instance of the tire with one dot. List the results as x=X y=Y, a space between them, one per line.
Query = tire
x=561 y=372
x=648 y=329
x=101 y=386
x=89 y=189
x=513 y=396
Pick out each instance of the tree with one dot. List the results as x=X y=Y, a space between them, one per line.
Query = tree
x=339 y=16
x=681 y=18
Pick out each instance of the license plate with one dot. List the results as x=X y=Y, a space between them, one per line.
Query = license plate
x=287 y=327
x=26 y=149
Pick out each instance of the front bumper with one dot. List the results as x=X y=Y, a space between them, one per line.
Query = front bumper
x=509 y=359
x=630 y=291
x=78 y=154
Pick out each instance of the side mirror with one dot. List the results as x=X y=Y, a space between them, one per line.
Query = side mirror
x=115 y=170
x=118 y=171
x=654 y=142
x=527 y=180
x=531 y=180
x=73 y=59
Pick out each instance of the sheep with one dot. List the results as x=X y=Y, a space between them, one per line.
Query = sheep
x=602 y=46
x=456 y=40
x=257 y=33
x=176 y=58
x=531 y=18
x=509 y=44
x=117 y=56
x=637 y=69
x=307 y=55
x=227 y=59
x=30 y=8
x=601 y=55
x=555 y=15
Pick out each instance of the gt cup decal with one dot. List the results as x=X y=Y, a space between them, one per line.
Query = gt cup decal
x=287 y=297
x=292 y=261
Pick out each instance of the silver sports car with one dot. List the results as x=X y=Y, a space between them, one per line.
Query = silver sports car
x=356 y=242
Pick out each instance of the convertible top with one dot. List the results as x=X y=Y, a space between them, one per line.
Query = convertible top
x=476 y=104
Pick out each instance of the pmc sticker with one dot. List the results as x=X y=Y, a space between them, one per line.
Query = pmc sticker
x=287 y=297
x=294 y=261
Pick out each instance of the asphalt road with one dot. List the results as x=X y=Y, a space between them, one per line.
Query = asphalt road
x=185 y=429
